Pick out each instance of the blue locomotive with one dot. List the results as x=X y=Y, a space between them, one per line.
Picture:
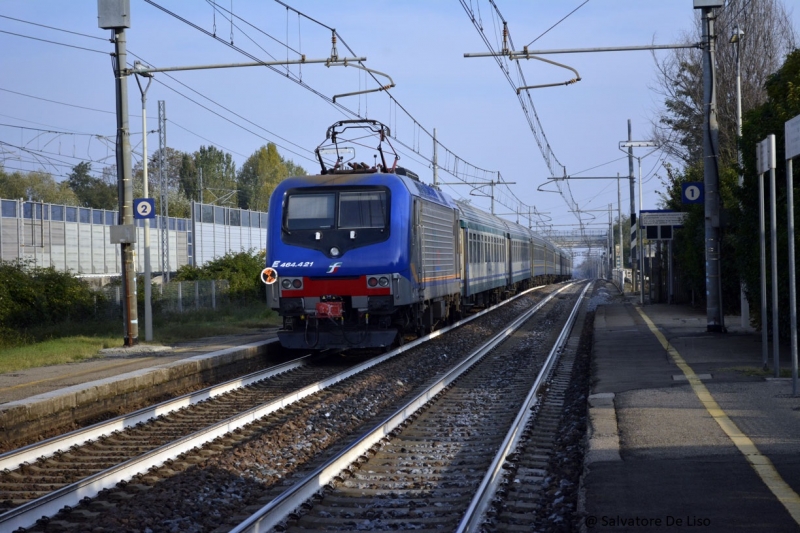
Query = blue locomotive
x=360 y=254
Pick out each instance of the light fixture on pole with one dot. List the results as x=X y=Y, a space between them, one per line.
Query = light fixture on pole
x=148 y=289
x=736 y=39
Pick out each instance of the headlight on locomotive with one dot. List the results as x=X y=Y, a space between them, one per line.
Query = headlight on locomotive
x=292 y=283
x=383 y=281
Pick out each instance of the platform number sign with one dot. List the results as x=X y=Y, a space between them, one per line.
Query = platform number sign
x=692 y=192
x=144 y=208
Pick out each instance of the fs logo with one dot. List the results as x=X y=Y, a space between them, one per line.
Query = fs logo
x=334 y=267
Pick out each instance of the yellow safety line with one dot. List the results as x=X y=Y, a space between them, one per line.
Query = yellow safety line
x=760 y=463
x=76 y=374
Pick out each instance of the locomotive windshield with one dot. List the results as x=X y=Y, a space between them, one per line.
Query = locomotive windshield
x=357 y=210
x=310 y=211
x=362 y=210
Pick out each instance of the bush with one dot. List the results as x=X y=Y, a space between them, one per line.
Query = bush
x=242 y=270
x=33 y=296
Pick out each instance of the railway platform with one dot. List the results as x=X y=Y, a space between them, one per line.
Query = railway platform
x=35 y=400
x=686 y=432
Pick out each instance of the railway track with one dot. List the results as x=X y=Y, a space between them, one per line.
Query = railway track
x=240 y=468
x=441 y=465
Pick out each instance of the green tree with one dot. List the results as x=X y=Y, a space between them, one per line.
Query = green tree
x=188 y=178
x=36 y=186
x=260 y=174
x=90 y=191
x=768 y=37
x=178 y=203
x=219 y=176
x=783 y=103
x=626 y=241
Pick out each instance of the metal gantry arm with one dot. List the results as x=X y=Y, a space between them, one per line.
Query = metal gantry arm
x=328 y=62
x=332 y=61
x=371 y=71
x=525 y=54
x=576 y=79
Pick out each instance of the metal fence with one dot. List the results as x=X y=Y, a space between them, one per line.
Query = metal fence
x=173 y=297
x=78 y=239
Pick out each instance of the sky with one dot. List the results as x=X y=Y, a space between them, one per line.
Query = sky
x=419 y=44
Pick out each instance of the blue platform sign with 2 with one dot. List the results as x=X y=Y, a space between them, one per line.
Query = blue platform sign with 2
x=692 y=192
x=144 y=208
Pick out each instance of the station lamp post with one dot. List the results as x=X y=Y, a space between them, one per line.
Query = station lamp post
x=736 y=39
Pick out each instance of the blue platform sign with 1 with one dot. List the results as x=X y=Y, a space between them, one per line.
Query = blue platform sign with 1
x=144 y=208
x=692 y=192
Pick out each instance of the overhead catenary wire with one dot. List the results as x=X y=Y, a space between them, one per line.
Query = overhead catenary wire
x=54 y=28
x=557 y=23
x=526 y=102
x=289 y=75
x=416 y=124
x=54 y=42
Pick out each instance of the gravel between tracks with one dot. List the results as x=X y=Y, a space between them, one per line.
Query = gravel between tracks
x=208 y=489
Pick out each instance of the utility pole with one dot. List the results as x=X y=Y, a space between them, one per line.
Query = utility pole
x=116 y=15
x=619 y=219
x=148 y=289
x=736 y=39
x=714 y=316
x=162 y=171
x=632 y=179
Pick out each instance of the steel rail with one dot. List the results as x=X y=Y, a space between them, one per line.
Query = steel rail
x=278 y=509
x=471 y=521
x=27 y=514
x=46 y=448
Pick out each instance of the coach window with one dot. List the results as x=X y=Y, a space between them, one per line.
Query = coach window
x=310 y=211
x=366 y=209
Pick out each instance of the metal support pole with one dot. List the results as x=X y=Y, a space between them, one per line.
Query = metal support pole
x=763 y=266
x=435 y=161
x=162 y=146
x=621 y=247
x=670 y=298
x=633 y=207
x=792 y=285
x=126 y=189
x=773 y=241
x=714 y=320
x=148 y=288
x=738 y=34
x=612 y=254
x=640 y=238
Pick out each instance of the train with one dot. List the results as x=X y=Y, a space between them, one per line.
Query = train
x=361 y=255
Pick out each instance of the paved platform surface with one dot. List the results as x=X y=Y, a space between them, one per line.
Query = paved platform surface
x=22 y=384
x=686 y=431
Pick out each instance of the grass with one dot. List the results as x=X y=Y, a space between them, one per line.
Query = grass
x=753 y=371
x=54 y=352
x=79 y=340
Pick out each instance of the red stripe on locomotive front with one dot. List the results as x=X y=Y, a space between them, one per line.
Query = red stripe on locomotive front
x=335 y=287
